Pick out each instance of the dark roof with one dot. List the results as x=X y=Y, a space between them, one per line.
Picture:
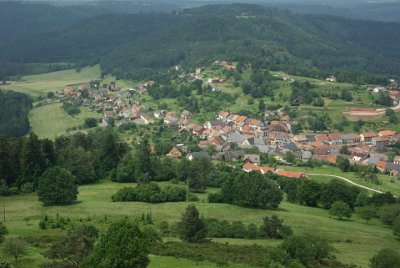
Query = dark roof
x=200 y=154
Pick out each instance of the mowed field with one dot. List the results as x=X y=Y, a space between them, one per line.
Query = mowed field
x=355 y=241
x=36 y=85
x=388 y=184
x=50 y=121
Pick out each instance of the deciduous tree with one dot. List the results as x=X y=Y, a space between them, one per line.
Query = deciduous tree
x=57 y=186
x=123 y=246
x=340 y=210
x=385 y=258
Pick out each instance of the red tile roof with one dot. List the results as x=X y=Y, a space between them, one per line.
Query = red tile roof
x=290 y=174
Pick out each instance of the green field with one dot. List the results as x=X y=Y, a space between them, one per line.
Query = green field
x=36 y=85
x=50 y=121
x=388 y=184
x=354 y=240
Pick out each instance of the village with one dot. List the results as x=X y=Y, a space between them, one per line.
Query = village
x=230 y=135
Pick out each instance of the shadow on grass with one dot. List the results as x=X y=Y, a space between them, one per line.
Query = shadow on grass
x=62 y=204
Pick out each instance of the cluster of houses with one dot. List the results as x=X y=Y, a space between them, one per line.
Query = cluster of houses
x=229 y=134
x=110 y=100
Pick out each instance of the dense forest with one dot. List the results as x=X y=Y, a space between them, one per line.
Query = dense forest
x=136 y=45
x=14 y=110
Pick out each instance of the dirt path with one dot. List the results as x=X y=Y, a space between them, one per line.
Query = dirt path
x=346 y=180
x=373 y=114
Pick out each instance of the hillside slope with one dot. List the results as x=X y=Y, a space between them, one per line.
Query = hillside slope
x=130 y=45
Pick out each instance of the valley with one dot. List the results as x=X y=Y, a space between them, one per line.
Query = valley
x=226 y=135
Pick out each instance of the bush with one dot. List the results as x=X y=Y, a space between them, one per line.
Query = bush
x=150 y=193
x=27 y=188
x=385 y=258
x=90 y=122
x=389 y=213
x=341 y=210
x=191 y=197
x=270 y=228
x=71 y=109
x=273 y=228
x=307 y=249
x=216 y=198
x=251 y=190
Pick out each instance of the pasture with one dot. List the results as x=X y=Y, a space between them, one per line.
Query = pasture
x=37 y=85
x=355 y=241
x=388 y=184
x=50 y=121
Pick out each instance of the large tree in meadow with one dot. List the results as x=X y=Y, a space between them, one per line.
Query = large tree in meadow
x=191 y=227
x=123 y=246
x=57 y=186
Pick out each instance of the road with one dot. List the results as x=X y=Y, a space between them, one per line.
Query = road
x=346 y=180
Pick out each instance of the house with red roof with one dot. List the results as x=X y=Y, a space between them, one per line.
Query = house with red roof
x=367 y=137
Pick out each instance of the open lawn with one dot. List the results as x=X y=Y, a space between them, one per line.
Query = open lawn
x=50 y=121
x=389 y=184
x=354 y=240
x=36 y=85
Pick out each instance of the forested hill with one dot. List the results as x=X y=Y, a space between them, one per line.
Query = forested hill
x=134 y=45
x=18 y=20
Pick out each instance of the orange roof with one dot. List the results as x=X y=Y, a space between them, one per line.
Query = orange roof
x=368 y=135
x=223 y=114
x=318 y=144
x=381 y=164
x=251 y=167
x=230 y=67
x=290 y=174
x=335 y=136
x=330 y=159
x=174 y=153
x=254 y=122
x=386 y=133
x=321 y=138
x=396 y=158
x=247 y=127
x=241 y=118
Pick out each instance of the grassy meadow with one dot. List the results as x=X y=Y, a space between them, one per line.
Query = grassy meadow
x=388 y=183
x=36 y=85
x=50 y=121
x=354 y=240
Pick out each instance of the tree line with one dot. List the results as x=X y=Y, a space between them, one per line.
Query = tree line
x=14 y=110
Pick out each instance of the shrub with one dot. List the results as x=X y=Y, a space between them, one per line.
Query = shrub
x=216 y=198
x=191 y=197
x=341 y=210
x=150 y=193
x=307 y=249
x=389 y=213
x=385 y=258
x=90 y=122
